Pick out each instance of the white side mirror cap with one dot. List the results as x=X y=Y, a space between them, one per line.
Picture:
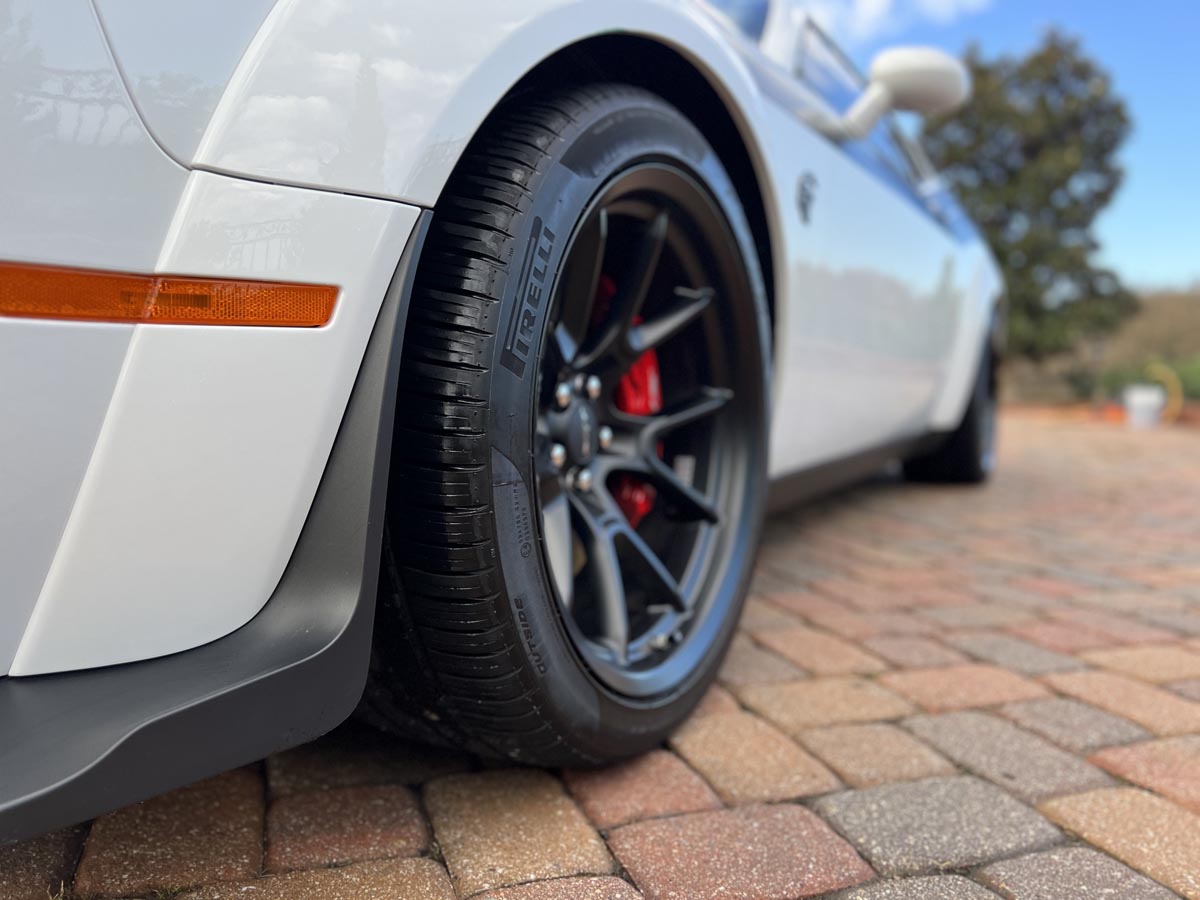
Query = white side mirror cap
x=922 y=79
x=917 y=79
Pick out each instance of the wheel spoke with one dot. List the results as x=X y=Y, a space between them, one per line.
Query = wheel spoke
x=707 y=401
x=580 y=281
x=556 y=518
x=604 y=570
x=668 y=588
x=691 y=503
x=633 y=285
x=689 y=304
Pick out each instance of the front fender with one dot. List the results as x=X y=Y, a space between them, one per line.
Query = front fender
x=382 y=101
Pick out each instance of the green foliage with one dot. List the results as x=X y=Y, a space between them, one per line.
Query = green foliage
x=1033 y=157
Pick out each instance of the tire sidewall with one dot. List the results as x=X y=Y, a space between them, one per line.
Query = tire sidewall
x=625 y=128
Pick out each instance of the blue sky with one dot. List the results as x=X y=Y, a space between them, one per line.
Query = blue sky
x=1151 y=232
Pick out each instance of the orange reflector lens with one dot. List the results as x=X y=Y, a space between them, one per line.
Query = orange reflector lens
x=48 y=292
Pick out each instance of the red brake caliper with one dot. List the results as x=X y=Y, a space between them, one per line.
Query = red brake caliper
x=639 y=393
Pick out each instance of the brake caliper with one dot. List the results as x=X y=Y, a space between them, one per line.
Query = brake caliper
x=639 y=393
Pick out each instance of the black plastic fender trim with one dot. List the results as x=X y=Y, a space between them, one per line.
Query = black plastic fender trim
x=78 y=744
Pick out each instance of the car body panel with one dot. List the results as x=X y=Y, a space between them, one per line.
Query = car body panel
x=177 y=58
x=215 y=437
x=72 y=136
x=56 y=379
x=382 y=102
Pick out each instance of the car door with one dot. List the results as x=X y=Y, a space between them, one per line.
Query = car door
x=866 y=283
x=882 y=307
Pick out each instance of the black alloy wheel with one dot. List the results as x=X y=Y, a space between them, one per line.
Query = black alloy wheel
x=633 y=580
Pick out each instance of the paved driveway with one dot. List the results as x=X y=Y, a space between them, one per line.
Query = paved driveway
x=936 y=693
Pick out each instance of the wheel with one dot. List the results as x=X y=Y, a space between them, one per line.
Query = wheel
x=579 y=468
x=968 y=455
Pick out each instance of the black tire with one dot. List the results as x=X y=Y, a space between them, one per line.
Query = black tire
x=968 y=454
x=473 y=647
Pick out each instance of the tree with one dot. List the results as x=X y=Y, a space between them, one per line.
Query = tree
x=1033 y=158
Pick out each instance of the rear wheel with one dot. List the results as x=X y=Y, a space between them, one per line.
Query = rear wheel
x=968 y=454
x=579 y=470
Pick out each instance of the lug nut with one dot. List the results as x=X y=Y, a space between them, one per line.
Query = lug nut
x=583 y=480
x=605 y=437
x=593 y=386
x=562 y=395
x=558 y=456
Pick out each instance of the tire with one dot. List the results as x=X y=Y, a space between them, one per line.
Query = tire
x=483 y=641
x=968 y=454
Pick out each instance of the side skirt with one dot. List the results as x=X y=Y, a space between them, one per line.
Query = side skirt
x=809 y=484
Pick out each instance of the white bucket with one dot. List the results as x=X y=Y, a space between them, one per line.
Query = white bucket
x=1144 y=404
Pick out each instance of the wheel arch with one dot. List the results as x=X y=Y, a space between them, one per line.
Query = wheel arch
x=663 y=70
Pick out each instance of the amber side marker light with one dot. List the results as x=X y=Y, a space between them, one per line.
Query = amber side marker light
x=50 y=292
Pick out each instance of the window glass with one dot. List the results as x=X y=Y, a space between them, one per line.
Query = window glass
x=823 y=67
x=750 y=16
x=828 y=72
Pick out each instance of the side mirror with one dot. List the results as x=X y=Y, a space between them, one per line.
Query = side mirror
x=917 y=79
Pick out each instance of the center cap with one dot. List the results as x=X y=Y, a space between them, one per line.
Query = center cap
x=580 y=432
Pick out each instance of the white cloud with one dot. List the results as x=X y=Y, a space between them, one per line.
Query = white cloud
x=861 y=21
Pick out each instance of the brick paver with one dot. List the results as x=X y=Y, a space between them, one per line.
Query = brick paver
x=962 y=687
x=913 y=652
x=1149 y=662
x=210 y=831
x=353 y=755
x=977 y=615
x=656 y=784
x=39 y=868
x=412 y=879
x=1023 y=763
x=1012 y=652
x=753 y=853
x=748 y=663
x=1156 y=710
x=1063 y=638
x=1124 y=629
x=746 y=760
x=955 y=685
x=1146 y=832
x=928 y=887
x=502 y=828
x=819 y=652
x=1188 y=689
x=1073 y=725
x=866 y=755
x=332 y=828
x=588 y=887
x=1170 y=767
x=1069 y=873
x=935 y=824
x=797 y=706
x=758 y=615
x=716 y=700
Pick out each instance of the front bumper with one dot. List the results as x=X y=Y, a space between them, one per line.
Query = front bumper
x=77 y=744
